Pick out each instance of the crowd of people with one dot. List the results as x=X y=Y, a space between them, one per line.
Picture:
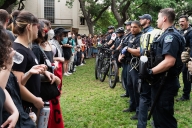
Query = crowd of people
x=36 y=41
x=53 y=53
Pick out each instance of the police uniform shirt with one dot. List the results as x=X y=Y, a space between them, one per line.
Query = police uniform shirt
x=118 y=41
x=111 y=37
x=133 y=42
x=125 y=40
x=170 y=43
x=187 y=33
x=147 y=29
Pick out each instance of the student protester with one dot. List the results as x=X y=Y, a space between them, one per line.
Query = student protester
x=94 y=42
x=80 y=54
x=41 y=42
x=6 y=20
x=66 y=46
x=28 y=71
x=6 y=63
x=71 y=62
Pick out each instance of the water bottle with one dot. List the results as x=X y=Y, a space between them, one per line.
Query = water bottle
x=18 y=58
x=44 y=116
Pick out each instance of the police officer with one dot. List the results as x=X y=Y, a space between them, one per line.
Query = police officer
x=124 y=60
x=133 y=53
x=111 y=36
x=145 y=92
x=187 y=33
x=167 y=51
x=145 y=21
x=120 y=35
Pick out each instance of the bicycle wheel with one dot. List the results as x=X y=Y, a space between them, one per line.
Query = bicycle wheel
x=122 y=80
x=97 y=68
x=104 y=67
x=113 y=74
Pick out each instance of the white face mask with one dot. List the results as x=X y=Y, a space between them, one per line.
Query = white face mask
x=51 y=34
x=69 y=36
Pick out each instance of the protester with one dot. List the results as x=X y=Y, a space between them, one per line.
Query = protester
x=6 y=63
x=28 y=71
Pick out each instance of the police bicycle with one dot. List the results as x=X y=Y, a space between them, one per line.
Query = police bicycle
x=99 y=58
x=108 y=66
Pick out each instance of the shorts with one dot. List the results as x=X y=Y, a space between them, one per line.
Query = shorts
x=67 y=55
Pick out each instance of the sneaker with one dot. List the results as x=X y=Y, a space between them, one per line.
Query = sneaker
x=69 y=73
x=182 y=99
x=65 y=74
x=81 y=64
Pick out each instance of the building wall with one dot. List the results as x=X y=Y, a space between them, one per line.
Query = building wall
x=61 y=12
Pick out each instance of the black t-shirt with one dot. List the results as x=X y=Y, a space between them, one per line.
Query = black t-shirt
x=38 y=53
x=2 y=100
x=33 y=84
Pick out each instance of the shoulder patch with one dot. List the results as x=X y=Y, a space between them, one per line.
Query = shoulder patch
x=168 y=38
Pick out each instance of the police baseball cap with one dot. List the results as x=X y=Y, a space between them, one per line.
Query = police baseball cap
x=127 y=23
x=146 y=16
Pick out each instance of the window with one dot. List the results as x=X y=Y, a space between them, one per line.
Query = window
x=49 y=11
x=82 y=21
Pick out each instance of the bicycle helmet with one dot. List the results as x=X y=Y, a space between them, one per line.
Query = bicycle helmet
x=120 y=30
x=111 y=27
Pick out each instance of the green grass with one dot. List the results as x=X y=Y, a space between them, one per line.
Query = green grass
x=89 y=103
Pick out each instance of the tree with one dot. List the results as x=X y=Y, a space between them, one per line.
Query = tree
x=106 y=20
x=119 y=9
x=92 y=10
x=6 y=4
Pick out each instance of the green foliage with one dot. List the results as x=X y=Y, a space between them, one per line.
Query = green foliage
x=106 y=20
x=89 y=103
x=2 y=2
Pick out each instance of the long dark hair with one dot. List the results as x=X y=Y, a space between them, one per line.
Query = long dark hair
x=5 y=48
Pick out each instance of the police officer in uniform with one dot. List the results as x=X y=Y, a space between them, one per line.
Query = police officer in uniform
x=120 y=35
x=110 y=37
x=145 y=21
x=187 y=33
x=145 y=92
x=167 y=66
x=133 y=53
x=124 y=60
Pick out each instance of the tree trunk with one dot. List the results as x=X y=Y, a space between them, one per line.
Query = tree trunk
x=90 y=27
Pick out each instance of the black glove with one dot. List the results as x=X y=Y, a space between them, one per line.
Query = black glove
x=147 y=74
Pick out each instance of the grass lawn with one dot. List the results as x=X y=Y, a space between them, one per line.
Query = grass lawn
x=89 y=103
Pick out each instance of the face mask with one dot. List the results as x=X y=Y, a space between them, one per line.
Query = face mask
x=51 y=34
x=64 y=41
x=69 y=36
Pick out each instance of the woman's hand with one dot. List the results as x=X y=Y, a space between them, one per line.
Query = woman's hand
x=11 y=121
x=38 y=69
x=51 y=76
x=38 y=103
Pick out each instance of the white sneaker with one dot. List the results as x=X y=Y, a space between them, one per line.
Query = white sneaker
x=69 y=73
x=65 y=74
x=81 y=64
